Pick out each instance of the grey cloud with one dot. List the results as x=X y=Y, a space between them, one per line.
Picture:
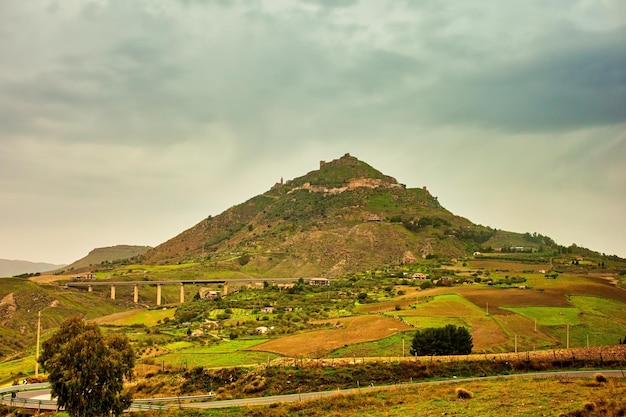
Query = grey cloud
x=331 y=4
x=165 y=75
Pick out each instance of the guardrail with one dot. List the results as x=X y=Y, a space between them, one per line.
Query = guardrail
x=7 y=398
x=20 y=402
x=27 y=387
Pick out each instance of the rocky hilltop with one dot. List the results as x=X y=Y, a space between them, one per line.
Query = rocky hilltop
x=345 y=216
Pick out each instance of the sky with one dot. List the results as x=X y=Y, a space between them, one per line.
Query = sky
x=127 y=122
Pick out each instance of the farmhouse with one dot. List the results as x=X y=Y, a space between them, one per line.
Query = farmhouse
x=88 y=276
x=207 y=294
x=261 y=330
x=419 y=275
x=268 y=309
x=319 y=281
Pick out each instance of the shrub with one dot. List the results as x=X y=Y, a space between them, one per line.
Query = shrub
x=463 y=394
x=599 y=378
x=448 y=340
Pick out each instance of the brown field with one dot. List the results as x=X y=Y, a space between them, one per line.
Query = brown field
x=114 y=317
x=528 y=338
x=496 y=265
x=47 y=279
x=598 y=287
x=515 y=298
x=319 y=342
x=486 y=331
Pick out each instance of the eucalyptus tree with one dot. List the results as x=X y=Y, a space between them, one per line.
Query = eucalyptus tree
x=87 y=369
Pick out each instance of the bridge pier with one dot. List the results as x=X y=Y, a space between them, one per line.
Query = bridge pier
x=136 y=293
x=90 y=288
x=112 y=292
x=158 y=300
x=224 y=290
x=182 y=293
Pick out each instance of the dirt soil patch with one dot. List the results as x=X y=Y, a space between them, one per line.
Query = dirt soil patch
x=347 y=331
x=497 y=298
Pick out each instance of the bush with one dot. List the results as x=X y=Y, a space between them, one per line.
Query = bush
x=463 y=394
x=448 y=340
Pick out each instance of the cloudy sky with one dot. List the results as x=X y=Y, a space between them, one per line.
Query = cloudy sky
x=126 y=122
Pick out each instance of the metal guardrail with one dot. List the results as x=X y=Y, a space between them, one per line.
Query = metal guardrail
x=26 y=387
x=174 y=399
x=6 y=398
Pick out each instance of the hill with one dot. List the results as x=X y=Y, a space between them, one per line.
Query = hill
x=21 y=299
x=106 y=255
x=9 y=268
x=347 y=216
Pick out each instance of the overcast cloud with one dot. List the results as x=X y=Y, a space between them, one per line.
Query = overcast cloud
x=126 y=122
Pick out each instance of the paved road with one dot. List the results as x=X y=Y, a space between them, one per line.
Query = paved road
x=38 y=398
x=322 y=394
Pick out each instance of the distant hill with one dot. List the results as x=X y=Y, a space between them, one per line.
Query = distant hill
x=109 y=255
x=20 y=301
x=9 y=268
x=344 y=217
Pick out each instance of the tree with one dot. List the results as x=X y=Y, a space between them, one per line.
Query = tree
x=86 y=370
x=448 y=340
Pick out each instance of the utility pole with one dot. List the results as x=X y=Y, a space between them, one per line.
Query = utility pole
x=568 y=336
x=37 y=348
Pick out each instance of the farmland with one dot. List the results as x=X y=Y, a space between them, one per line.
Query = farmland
x=346 y=331
x=367 y=315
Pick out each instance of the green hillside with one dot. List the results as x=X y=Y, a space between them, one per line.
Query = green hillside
x=21 y=300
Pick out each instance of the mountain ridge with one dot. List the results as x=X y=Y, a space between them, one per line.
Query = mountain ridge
x=107 y=254
x=12 y=267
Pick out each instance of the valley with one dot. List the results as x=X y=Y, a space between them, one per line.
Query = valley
x=336 y=270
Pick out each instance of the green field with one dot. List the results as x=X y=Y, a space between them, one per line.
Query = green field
x=594 y=320
x=388 y=347
x=11 y=370
x=227 y=353
x=549 y=316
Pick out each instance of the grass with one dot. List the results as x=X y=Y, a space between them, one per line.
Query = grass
x=386 y=347
x=146 y=317
x=10 y=370
x=593 y=320
x=423 y=322
x=486 y=332
x=549 y=316
x=490 y=398
x=225 y=354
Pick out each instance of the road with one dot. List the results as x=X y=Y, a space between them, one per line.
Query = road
x=40 y=398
